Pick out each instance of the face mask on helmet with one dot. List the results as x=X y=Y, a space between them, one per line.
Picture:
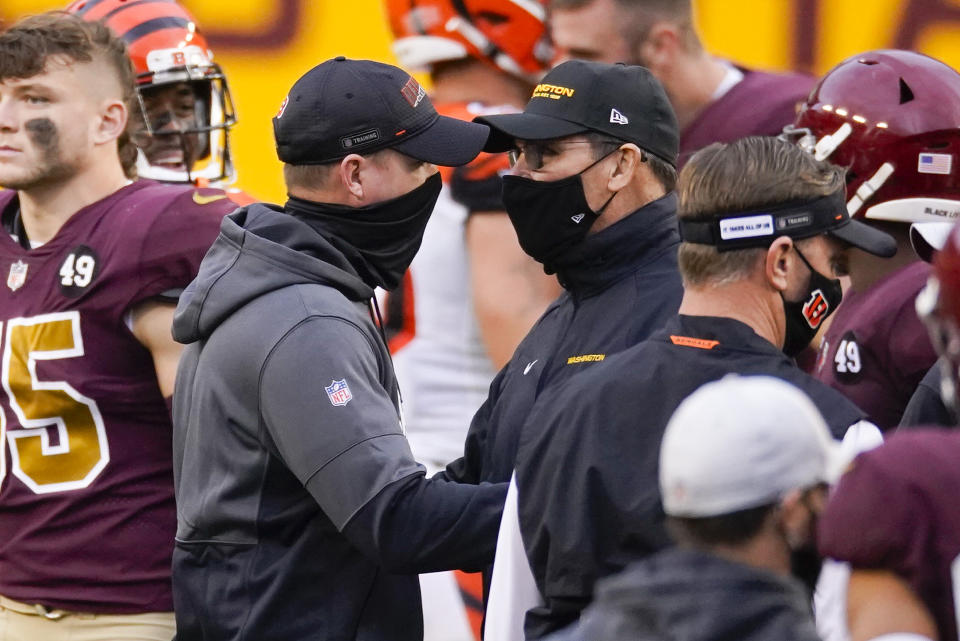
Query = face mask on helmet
x=892 y=118
x=185 y=107
x=938 y=305
x=509 y=34
x=182 y=127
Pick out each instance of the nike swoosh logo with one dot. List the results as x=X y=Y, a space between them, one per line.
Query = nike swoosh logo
x=526 y=370
x=206 y=200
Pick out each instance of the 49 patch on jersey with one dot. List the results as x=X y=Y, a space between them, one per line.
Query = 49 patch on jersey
x=78 y=270
x=847 y=359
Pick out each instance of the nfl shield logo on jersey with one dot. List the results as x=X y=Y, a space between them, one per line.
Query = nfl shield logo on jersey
x=17 y=276
x=339 y=392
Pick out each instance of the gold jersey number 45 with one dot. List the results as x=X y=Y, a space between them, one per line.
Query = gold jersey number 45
x=81 y=452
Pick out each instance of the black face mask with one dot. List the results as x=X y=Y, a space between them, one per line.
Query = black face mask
x=386 y=235
x=805 y=561
x=804 y=317
x=805 y=566
x=550 y=217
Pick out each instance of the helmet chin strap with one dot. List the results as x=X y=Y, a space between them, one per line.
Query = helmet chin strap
x=156 y=172
x=869 y=187
x=217 y=175
x=828 y=144
x=825 y=147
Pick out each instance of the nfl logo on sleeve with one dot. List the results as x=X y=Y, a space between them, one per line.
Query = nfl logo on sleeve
x=339 y=393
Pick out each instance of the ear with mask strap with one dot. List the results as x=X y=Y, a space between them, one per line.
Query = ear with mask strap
x=804 y=317
x=550 y=217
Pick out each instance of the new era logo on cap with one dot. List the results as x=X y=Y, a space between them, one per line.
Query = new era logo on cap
x=618 y=118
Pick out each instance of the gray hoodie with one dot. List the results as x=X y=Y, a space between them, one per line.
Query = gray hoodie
x=298 y=499
x=683 y=594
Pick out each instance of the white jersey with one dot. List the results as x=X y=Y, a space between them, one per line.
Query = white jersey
x=444 y=371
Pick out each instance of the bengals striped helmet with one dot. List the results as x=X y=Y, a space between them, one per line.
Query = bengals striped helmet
x=509 y=34
x=169 y=53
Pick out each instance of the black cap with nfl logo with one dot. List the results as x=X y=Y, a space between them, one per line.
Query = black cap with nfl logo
x=343 y=107
x=577 y=96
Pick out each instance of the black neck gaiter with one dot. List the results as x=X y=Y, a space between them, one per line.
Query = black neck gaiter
x=380 y=240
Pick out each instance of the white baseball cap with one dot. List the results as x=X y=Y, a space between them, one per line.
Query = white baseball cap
x=742 y=442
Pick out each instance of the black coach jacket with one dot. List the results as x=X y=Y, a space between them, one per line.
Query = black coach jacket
x=621 y=285
x=587 y=479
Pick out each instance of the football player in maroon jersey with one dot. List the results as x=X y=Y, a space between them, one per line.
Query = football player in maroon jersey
x=715 y=100
x=893 y=119
x=90 y=260
x=893 y=517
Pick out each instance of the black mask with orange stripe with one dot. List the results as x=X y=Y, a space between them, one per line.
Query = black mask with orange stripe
x=805 y=316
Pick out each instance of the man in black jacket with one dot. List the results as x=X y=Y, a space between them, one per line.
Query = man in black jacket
x=301 y=511
x=591 y=198
x=765 y=234
x=743 y=472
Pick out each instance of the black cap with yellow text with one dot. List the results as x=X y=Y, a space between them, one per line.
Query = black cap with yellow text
x=577 y=96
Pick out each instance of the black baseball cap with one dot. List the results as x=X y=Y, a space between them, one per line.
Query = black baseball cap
x=577 y=96
x=343 y=106
x=796 y=219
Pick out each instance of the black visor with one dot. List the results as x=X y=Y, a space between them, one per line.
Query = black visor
x=796 y=219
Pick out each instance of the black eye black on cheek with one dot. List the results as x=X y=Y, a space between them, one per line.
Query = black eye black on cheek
x=42 y=131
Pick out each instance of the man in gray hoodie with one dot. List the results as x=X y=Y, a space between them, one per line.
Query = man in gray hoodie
x=744 y=465
x=301 y=512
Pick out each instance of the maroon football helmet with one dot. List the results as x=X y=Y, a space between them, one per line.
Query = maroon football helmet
x=939 y=306
x=892 y=118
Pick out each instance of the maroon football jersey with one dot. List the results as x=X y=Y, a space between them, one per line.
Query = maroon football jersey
x=896 y=510
x=877 y=350
x=87 y=516
x=759 y=105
